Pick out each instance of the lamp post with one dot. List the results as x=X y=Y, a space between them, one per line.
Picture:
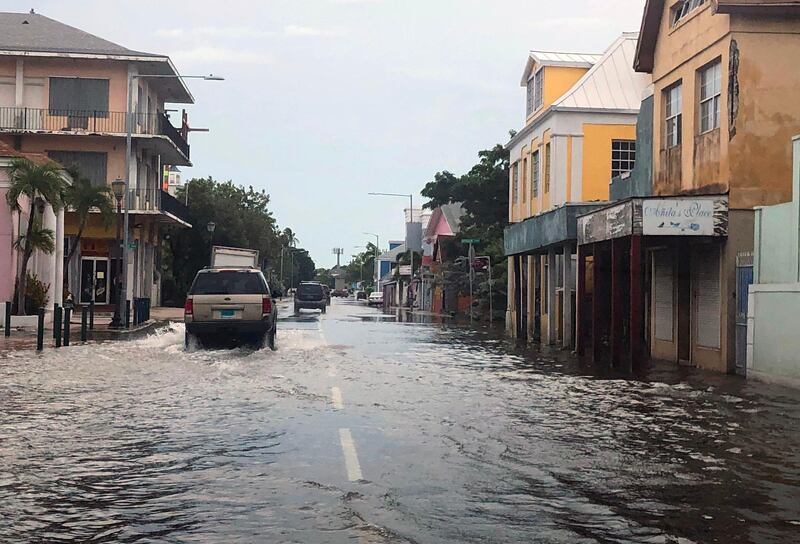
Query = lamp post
x=361 y=272
x=210 y=227
x=129 y=150
x=408 y=241
x=118 y=189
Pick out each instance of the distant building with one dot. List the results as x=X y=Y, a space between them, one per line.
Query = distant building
x=172 y=179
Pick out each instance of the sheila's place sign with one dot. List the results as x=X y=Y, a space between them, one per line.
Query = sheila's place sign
x=701 y=216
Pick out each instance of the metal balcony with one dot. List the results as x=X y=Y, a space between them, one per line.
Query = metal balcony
x=17 y=120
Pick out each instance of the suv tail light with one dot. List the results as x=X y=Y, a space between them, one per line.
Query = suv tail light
x=188 y=307
x=266 y=305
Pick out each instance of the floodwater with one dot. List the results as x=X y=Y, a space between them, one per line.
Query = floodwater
x=364 y=428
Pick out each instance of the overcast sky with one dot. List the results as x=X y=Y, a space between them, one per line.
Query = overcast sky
x=326 y=100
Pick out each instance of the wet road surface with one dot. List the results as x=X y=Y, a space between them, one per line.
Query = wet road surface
x=363 y=428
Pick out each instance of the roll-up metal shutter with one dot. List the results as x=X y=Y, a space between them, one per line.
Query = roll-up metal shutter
x=663 y=295
x=705 y=282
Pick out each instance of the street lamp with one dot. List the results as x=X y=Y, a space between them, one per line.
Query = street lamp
x=129 y=150
x=210 y=227
x=408 y=241
x=118 y=189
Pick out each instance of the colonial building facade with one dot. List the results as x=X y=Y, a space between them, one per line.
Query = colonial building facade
x=579 y=132
x=64 y=94
x=658 y=270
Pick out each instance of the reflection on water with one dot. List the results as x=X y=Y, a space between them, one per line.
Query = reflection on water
x=463 y=436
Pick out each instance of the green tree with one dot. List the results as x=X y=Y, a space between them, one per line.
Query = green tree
x=82 y=197
x=483 y=193
x=39 y=183
x=242 y=219
x=362 y=266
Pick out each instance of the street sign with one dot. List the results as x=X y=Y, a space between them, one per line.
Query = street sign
x=471 y=241
x=405 y=270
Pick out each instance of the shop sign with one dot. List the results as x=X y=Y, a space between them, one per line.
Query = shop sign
x=685 y=217
x=405 y=270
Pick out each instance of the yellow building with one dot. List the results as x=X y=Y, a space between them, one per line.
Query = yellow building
x=580 y=130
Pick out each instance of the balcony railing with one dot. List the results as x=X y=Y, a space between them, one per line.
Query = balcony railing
x=91 y=122
x=142 y=199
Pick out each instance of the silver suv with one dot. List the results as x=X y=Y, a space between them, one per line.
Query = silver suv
x=230 y=304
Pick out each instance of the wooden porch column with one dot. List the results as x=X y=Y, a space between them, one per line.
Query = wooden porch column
x=552 y=337
x=580 y=302
x=511 y=327
x=637 y=302
x=566 y=309
x=597 y=306
x=616 y=302
x=532 y=277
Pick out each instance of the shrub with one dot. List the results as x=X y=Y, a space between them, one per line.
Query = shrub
x=35 y=294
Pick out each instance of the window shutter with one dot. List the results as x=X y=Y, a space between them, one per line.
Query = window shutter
x=663 y=296
x=707 y=297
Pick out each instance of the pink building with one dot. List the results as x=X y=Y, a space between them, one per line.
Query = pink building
x=64 y=95
x=47 y=268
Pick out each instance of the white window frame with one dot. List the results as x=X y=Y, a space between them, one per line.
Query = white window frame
x=682 y=9
x=626 y=159
x=515 y=183
x=538 y=88
x=710 y=81
x=673 y=115
x=547 y=161
x=529 y=98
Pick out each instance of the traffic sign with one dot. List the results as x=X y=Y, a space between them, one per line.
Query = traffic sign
x=471 y=241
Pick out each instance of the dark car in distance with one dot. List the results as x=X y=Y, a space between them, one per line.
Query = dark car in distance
x=310 y=296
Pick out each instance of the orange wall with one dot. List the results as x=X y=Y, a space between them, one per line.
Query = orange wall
x=753 y=161
x=597 y=157
x=115 y=147
x=115 y=71
x=558 y=80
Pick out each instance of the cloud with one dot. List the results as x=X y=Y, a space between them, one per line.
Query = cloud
x=215 y=31
x=220 y=54
x=354 y=1
x=311 y=31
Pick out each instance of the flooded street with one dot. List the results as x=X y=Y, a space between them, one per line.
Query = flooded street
x=363 y=428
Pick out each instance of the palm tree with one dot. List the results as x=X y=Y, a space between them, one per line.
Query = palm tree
x=39 y=183
x=82 y=197
x=289 y=238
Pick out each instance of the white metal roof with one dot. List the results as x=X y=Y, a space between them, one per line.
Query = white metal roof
x=551 y=58
x=611 y=83
x=554 y=58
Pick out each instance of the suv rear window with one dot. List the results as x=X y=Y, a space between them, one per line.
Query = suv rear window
x=228 y=283
x=309 y=289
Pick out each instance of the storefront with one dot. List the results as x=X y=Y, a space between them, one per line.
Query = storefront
x=653 y=275
x=541 y=294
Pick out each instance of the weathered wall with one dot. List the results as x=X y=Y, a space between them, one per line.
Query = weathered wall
x=640 y=182
x=768 y=113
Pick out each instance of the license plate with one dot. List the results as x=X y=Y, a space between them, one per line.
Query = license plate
x=227 y=314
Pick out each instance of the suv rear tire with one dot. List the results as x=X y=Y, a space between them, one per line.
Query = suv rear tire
x=271 y=338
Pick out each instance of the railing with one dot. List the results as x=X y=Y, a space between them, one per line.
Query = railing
x=145 y=199
x=85 y=121
x=172 y=133
x=172 y=205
